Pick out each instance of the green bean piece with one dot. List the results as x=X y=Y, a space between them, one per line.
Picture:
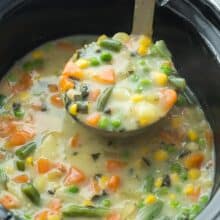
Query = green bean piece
x=33 y=64
x=106 y=56
x=3 y=177
x=2 y=100
x=73 y=189
x=181 y=100
x=178 y=82
x=103 y=98
x=160 y=48
x=111 y=44
x=31 y=192
x=145 y=82
x=26 y=150
x=19 y=113
x=73 y=210
x=20 y=165
x=150 y=212
x=148 y=184
x=166 y=68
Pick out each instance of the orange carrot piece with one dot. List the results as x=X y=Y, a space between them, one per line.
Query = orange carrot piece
x=21 y=178
x=114 y=165
x=55 y=204
x=209 y=137
x=65 y=84
x=9 y=201
x=93 y=95
x=19 y=138
x=169 y=98
x=93 y=119
x=23 y=84
x=57 y=101
x=114 y=183
x=2 y=156
x=114 y=216
x=42 y=215
x=94 y=186
x=52 y=87
x=44 y=165
x=106 y=76
x=194 y=160
x=65 y=45
x=195 y=195
x=74 y=176
x=74 y=142
x=72 y=70
x=7 y=127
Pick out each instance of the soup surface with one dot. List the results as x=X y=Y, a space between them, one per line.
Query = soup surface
x=52 y=168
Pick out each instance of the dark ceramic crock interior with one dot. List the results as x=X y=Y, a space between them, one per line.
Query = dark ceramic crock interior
x=25 y=24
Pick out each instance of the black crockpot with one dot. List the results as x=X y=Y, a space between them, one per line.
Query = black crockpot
x=190 y=28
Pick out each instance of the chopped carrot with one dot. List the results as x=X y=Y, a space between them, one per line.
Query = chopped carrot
x=209 y=137
x=114 y=183
x=23 y=84
x=114 y=165
x=93 y=119
x=72 y=70
x=65 y=45
x=106 y=76
x=42 y=215
x=44 y=165
x=53 y=87
x=57 y=101
x=195 y=195
x=169 y=98
x=194 y=160
x=94 y=186
x=93 y=95
x=74 y=142
x=9 y=201
x=74 y=176
x=19 y=138
x=65 y=84
x=21 y=178
x=2 y=156
x=7 y=127
x=55 y=204
x=114 y=216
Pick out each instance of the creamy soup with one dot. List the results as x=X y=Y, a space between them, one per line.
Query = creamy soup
x=52 y=168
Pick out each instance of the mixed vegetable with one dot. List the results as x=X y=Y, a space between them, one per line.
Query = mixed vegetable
x=52 y=168
x=120 y=83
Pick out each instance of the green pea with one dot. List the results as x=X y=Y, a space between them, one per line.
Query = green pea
x=139 y=89
x=202 y=143
x=106 y=203
x=166 y=68
x=19 y=113
x=103 y=122
x=174 y=204
x=94 y=61
x=134 y=77
x=116 y=122
x=145 y=82
x=106 y=56
x=73 y=189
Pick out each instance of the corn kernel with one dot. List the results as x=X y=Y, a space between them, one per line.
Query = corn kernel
x=172 y=196
x=160 y=155
x=137 y=98
x=189 y=189
x=174 y=178
x=82 y=63
x=37 y=54
x=101 y=37
x=150 y=199
x=144 y=44
x=73 y=109
x=194 y=173
x=54 y=217
x=24 y=96
x=192 y=135
x=87 y=203
x=103 y=181
x=29 y=161
x=54 y=174
x=160 y=79
x=158 y=182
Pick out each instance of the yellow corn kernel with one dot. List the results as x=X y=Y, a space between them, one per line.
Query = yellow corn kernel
x=194 y=173
x=103 y=181
x=161 y=155
x=192 y=135
x=54 y=174
x=82 y=63
x=87 y=203
x=160 y=79
x=144 y=44
x=54 y=217
x=176 y=122
x=24 y=96
x=150 y=199
x=158 y=182
x=29 y=161
x=174 y=178
x=73 y=109
x=189 y=189
x=137 y=98
x=37 y=54
x=172 y=196
x=101 y=37
x=147 y=117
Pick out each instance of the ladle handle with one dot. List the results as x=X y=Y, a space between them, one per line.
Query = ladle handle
x=143 y=17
